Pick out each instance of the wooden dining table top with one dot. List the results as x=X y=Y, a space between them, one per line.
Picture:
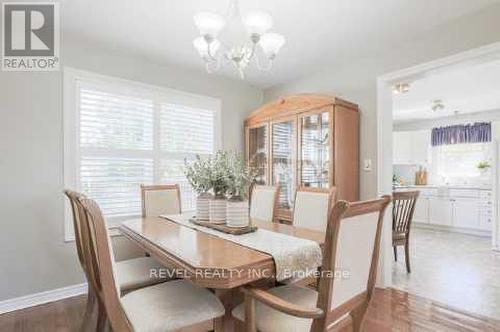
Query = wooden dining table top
x=208 y=260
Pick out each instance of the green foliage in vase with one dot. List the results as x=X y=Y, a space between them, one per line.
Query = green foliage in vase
x=224 y=173
x=485 y=164
x=239 y=176
x=198 y=174
x=219 y=169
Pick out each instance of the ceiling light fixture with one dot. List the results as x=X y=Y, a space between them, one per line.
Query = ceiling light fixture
x=400 y=88
x=437 y=105
x=247 y=39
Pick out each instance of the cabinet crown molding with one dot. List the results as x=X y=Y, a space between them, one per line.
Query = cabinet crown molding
x=295 y=104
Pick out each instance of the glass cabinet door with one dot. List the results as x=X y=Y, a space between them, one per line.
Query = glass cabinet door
x=258 y=152
x=315 y=146
x=283 y=159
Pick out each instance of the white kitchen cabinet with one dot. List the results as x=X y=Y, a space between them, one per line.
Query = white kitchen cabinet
x=486 y=213
x=485 y=221
x=411 y=147
x=466 y=213
x=440 y=211
x=421 y=143
x=402 y=146
x=421 y=213
x=463 y=209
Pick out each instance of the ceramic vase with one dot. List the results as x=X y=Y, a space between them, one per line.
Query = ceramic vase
x=237 y=213
x=217 y=208
x=203 y=207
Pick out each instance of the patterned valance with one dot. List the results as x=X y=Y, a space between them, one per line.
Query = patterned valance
x=467 y=133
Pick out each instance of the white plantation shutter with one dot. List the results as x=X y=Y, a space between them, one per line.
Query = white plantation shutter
x=114 y=181
x=115 y=121
x=116 y=148
x=121 y=134
x=172 y=171
x=184 y=132
x=186 y=129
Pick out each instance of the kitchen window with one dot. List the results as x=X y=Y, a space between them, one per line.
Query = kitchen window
x=119 y=134
x=458 y=162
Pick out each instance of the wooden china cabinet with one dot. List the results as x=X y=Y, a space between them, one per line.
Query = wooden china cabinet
x=305 y=140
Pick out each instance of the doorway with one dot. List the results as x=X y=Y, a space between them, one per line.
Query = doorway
x=435 y=279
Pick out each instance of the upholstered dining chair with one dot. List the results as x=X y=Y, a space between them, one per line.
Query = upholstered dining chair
x=131 y=274
x=347 y=278
x=160 y=199
x=169 y=306
x=310 y=211
x=264 y=202
x=403 y=208
x=312 y=206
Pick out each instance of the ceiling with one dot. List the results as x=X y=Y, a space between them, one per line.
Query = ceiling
x=468 y=89
x=318 y=32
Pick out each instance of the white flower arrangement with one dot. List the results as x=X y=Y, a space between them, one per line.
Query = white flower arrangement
x=239 y=176
x=224 y=173
x=198 y=174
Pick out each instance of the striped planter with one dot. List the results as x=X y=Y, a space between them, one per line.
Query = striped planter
x=203 y=207
x=218 y=210
x=237 y=213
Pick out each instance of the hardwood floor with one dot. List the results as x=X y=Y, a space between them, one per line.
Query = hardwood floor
x=391 y=310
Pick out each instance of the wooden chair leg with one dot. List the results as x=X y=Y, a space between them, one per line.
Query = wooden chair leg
x=357 y=316
x=250 y=324
x=395 y=253
x=89 y=310
x=407 y=256
x=101 y=318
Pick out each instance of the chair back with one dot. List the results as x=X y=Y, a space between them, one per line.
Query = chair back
x=264 y=202
x=312 y=206
x=160 y=199
x=403 y=208
x=102 y=265
x=350 y=263
x=78 y=214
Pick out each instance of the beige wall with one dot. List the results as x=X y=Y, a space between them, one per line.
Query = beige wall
x=356 y=80
x=33 y=255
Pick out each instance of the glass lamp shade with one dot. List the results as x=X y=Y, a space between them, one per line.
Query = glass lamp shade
x=271 y=43
x=257 y=22
x=202 y=47
x=209 y=23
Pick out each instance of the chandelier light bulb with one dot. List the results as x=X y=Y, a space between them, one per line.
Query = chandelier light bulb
x=201 y=45
x=271 y=43
x=257 y=22
x=209 y=23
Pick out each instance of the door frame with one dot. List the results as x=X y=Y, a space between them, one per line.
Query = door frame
x=385 y=82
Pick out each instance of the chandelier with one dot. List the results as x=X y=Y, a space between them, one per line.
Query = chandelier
x=246 y=39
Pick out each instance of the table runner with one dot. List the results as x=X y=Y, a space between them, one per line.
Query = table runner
x=293 y=257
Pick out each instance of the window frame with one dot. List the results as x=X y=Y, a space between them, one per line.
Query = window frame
x=71 y=136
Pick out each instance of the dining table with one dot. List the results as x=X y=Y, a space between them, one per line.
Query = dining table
x=211 y=261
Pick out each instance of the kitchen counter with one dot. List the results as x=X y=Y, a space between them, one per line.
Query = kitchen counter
x=452 y=186
x=461 y=208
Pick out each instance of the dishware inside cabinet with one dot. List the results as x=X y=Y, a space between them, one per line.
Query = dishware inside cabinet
x=315 y=156
x=258 y=152
x=284 y=161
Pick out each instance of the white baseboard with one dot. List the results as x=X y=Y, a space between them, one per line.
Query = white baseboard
x=41 y=298
x=476 y=232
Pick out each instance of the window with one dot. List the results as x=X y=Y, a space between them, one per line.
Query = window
x=458 y=162
x=119 y=134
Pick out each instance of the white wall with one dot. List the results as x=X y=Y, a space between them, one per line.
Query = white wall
x=33 y=255
x=487 y=116
x=356 y=80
